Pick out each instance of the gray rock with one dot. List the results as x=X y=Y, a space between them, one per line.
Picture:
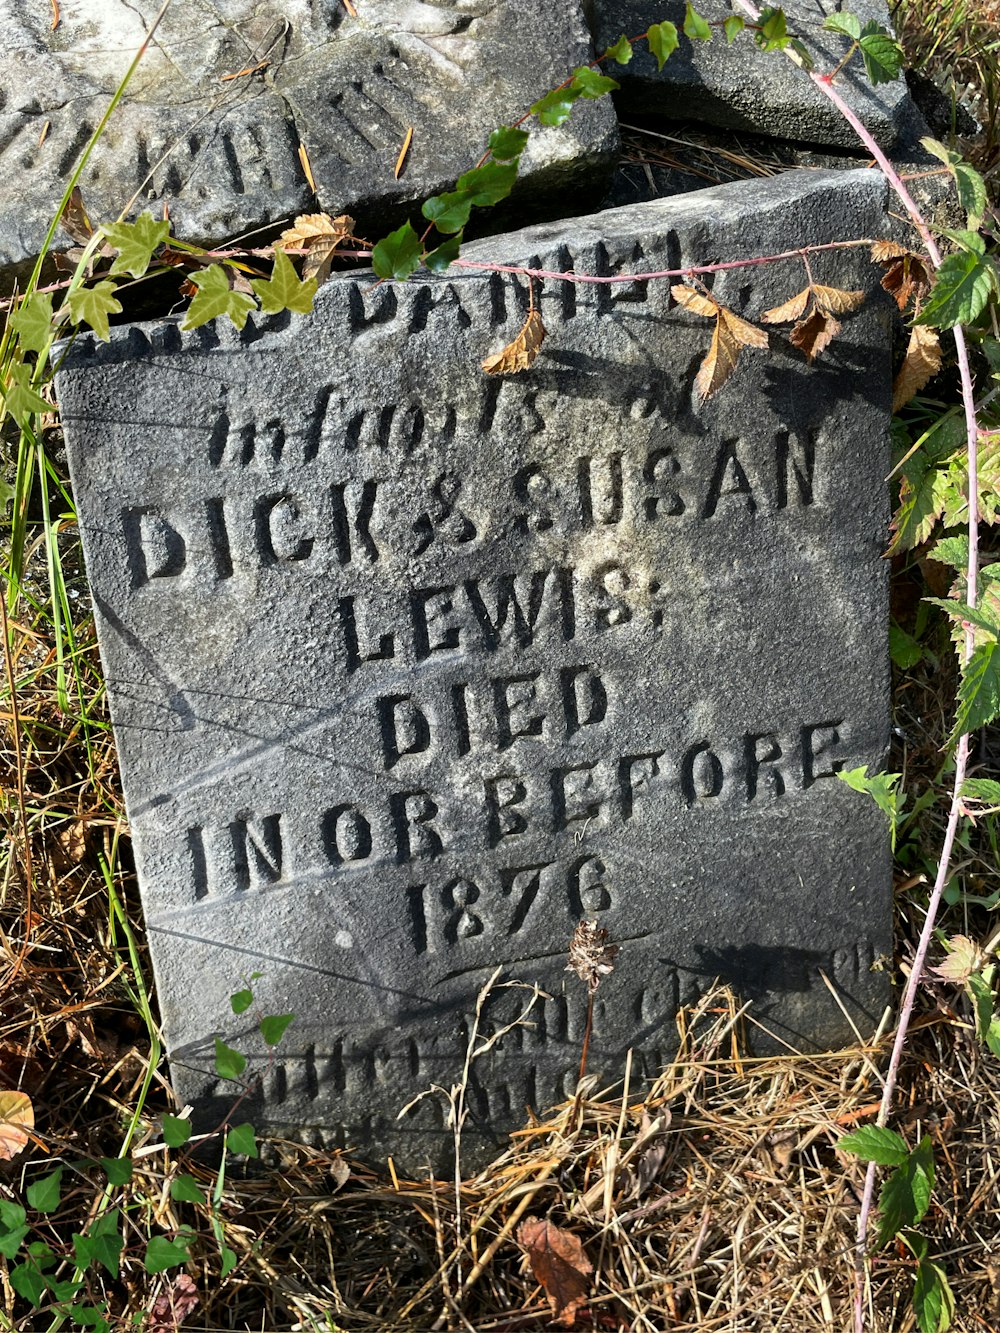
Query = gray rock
x=411 y=669
x=741 y=87
x=223 y=152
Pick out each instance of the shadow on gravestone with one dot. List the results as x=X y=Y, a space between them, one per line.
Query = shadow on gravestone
x=411 y=669
x=221 y=103
x=740 y=87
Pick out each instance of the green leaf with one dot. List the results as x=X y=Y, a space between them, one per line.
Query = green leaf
x=216 y=297
x=28 y=1282
x=449 y=212
x=981 y=994
x=489 y=183
x=882 y=54
x=960 y=612
x=273 y=1027
x=32 y=321
x=185 y=1189
x=162 y=1254
x=508 y=141
x=874 y=1143
x=982 y=789
x=952 y=551
x=621 y=51
x=284 y=290
x=240 y=1140
x=979 y=691
x=662 y=39
x=398 y=254
x=65 y=1290
x=904 y=649
x=93 y=305
x=228 y=1063
x=241 y=1001
x=228 y=1257
x=12 y=1228
x=970 y=185
x=732 y=27
x=695 y=26
x=135 y=242
x=446 y=253
x=90 y=1316
x=933 y=1299
x=21 y=398
x=848 y=24
x=961 y=292
x=906 y=1194
x=176 y=1132
x=992 y=1037
x=117 y=1169
x=884 y=790
x=103 y=1245
x=588 y=83
x=772 y=31
x=8 y=492
x=44 y=1195
x=555 y=107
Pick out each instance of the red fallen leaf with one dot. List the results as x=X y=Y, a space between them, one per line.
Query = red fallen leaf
x=559 y=1264
x=173 y=1306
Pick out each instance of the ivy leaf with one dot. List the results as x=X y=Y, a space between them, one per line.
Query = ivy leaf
x=44 y=1194
x=93 y=305
x=508 y=142
x=732 y=27
x=22 y=398
x=695 y=26
x=965 y=281
x=216 y=297
x=489 y=183
x=117 y=1169
x=882 y=54
x=103 y=1245
x=176 y=1131
x=445 y=254
x=274 y=1026
x=884 y=790
x=848 y=24
x=904 y=648
x=588 y=83
x=229 y=1261
x=162 y=1254
x=12 y=1228
x=29 y=1282
x=875 y=1143
x=555 y=107
x=135 y=243
x=772 y=31
x=240 y=1140
x=185 y=1189
x=621 y=51
x=662 y=39
x=283 y=290
x=398 y=254
x=449 y=212
x=32 y=321
x=979 y=691
x=228 y=1063
x=90 y=1316
x=241 y=1000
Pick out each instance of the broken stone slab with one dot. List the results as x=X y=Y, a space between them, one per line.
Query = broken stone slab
x=412 y=669
x=227 y=96
x=740 y=87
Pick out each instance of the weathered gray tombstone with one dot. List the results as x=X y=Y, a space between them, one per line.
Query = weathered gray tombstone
x=216 y=113
x=411 y=669
x=740 y=87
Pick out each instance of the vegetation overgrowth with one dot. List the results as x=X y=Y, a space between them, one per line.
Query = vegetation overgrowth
x=725 y=1195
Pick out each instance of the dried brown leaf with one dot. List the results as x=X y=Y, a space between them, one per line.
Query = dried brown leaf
x=17 y=1117
x=649 y=1166
x=906 y=276
x=884 y=250
x=173 y=1306
x=747 y=335
x=591 y=957
x=921 y=363
x=319 y=236
x=75 y=220
x=836 y=301
x=340 y=1173
x=814 y=333
x=719 y=363
x=695 y=301
x=794 y=308
x=559 y=1264
x=72 y=840
x=520 y=354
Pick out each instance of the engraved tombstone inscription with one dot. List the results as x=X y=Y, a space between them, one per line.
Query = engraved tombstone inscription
x=411 y=669
x=226 y=96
